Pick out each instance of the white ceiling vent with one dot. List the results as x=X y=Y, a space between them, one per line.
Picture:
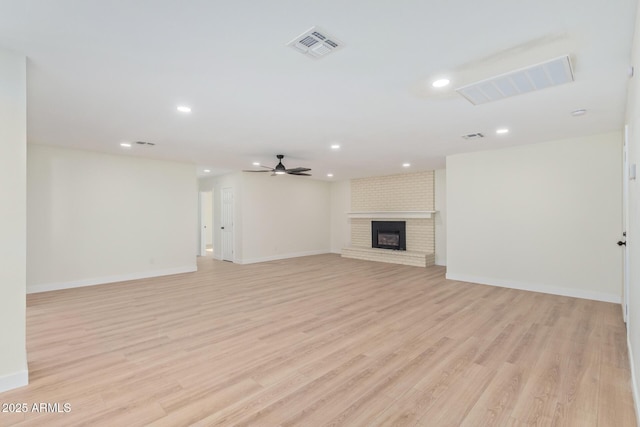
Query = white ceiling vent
x=477 y=135
x=551 y=73
x=315 y=43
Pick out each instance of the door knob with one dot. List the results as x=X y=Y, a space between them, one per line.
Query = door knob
x=621 y=243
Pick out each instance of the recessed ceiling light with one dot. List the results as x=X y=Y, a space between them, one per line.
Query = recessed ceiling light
x=502 y=131
x=580 y=112
x=406 y=165
x=207 y=170
x=335 y=146
x=330 y=175
x=440 y=83
x=183 y=109
x=125 y=145
x=256 y=163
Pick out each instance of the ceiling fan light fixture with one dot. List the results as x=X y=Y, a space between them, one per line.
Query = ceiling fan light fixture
x=280 y=169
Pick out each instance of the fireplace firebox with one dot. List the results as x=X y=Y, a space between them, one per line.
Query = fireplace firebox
x=389 y=235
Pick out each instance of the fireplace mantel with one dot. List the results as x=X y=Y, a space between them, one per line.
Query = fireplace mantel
x=390 y=214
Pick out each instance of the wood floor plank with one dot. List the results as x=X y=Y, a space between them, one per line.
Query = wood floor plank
x=322 y=340
x=613 y=398
x=496 y=403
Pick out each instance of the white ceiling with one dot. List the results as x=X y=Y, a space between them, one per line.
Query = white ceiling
x=104 y=72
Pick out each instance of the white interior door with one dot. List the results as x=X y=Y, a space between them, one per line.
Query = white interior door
x=203 y=226
x=625 y=219
x=226 y=221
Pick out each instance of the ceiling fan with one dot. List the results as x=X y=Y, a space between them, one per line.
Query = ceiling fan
x=281 y=170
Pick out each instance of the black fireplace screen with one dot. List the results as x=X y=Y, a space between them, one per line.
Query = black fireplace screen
x=389 y=238
x=388 y=235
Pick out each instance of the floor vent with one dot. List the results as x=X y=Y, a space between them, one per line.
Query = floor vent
x=315 y=43
x=537 y=77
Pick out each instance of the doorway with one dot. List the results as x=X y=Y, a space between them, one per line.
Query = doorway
x=206 y=223
x=226 y=224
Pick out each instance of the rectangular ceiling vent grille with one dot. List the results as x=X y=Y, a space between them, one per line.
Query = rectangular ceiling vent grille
x=315 y=43
x=537 y=77
x=477 y=135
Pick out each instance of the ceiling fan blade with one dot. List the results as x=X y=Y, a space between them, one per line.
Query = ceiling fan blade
x=255 y=171
x=298 y=173
x=296 y=170
x=263 y=166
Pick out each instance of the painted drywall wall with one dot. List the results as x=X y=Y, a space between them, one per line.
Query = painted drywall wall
x=542 y=217
x=440 y=200
x=340 y=224
x=283 y=217
x=633 y=225
x=98 y=218
x=13 y=220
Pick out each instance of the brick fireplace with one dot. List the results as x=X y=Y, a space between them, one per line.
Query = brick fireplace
x=408 y=198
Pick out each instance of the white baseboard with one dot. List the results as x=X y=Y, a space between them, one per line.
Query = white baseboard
x=281 y=256
x=634 y=383
x=15 y=380
x=45 y=287
x=533 y=287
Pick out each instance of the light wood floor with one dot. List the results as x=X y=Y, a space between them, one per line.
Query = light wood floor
x=322 y=341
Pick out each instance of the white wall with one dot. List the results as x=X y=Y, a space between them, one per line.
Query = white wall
x=340 y=225
x=98 y=218
x=13 y=220
x=284 y=216
x=275 y=217
x=440 y=195
x=633 y=228
x=542 y=217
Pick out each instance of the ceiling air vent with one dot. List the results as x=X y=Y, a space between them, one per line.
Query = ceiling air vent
x=315 y=43
x=551 y=73
x=477 y=135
